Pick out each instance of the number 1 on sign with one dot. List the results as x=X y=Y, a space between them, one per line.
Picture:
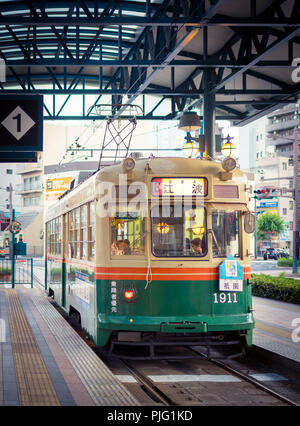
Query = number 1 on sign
x=18 y=118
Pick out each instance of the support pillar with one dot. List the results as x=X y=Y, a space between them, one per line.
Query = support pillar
x=209 y=102
x=209 y=113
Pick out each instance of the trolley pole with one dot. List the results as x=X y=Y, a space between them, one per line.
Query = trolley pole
x=296 y=203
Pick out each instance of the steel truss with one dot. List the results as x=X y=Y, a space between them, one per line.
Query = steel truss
x=49 y=47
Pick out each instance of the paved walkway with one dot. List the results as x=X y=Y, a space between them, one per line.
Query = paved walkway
x=277 y=327
x=43 y=361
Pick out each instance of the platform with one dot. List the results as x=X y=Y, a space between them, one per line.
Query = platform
x=43 y=361
x=274 y=327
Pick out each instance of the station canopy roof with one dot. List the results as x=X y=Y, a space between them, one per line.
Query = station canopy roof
x=120 y=50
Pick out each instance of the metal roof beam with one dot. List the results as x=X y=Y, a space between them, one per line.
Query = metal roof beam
x=254 y=60
x=164 y=21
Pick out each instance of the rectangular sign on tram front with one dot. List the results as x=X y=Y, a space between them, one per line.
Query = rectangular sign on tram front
x=230 y=275
x=179 y=186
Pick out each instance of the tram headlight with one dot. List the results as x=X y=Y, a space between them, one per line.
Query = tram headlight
x=128 y=164
x=229 y=164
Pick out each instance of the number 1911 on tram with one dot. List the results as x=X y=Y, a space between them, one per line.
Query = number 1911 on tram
x=155 y=252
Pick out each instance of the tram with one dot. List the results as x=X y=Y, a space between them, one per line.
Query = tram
x=136 y=251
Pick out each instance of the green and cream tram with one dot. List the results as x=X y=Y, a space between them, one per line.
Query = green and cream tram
x=135 y=253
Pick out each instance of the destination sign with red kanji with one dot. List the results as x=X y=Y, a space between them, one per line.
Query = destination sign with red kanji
x=178 y=186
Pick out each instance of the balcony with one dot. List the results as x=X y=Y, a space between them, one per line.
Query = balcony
x=283 y=125
x=31 y=168
x=285 y=110
x=28 y=189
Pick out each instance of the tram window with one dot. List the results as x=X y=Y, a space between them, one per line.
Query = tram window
x=83 y=231
x=72 y=234
x=91 y=231
x=225 y=233
x=54 y=236
x=77 y=233
x=178 y=231
x=59 y=235
x=127 y=234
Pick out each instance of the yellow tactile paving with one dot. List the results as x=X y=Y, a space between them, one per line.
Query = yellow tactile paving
x=99 y=381
x=34 y=384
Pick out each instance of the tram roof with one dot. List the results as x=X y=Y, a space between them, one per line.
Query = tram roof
x=156 y=167
x=161 y=48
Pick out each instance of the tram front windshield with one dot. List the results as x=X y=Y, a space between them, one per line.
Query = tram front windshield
x=178 y=231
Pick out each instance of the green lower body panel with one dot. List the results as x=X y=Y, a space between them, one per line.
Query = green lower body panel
x=181 y=307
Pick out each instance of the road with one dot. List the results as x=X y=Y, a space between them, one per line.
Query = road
x=268 y=267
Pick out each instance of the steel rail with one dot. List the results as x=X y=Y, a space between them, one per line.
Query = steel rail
x=148 y=386
x=249 y=379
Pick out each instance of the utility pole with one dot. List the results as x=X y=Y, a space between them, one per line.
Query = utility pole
x=296 y=203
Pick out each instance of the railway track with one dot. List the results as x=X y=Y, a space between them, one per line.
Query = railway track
x=250 y=379
x=149 y=386
x=158 y=393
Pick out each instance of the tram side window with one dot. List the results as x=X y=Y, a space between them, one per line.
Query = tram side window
x=127 y=234
x=225 y=233
x=178 y=231
x=77 y=232
x=83 y=231
x=91 y=231
x=54 y=236
x=72 y=236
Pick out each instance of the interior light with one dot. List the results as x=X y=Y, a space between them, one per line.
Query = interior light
x=163 y=228
x=198 y=229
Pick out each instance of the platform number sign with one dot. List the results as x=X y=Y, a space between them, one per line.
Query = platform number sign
x=21 y=123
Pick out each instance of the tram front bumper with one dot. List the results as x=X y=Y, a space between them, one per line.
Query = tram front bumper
x=176 y=324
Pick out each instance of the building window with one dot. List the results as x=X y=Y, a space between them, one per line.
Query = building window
x=291 y=184
x=284 y=166
x=284 y=211
x=9 y=171
x=291 y=205
x=32 y=201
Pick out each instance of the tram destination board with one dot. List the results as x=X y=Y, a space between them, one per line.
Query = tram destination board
x=21 y=123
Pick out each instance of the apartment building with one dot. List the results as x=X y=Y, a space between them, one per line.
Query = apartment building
x=280 y=134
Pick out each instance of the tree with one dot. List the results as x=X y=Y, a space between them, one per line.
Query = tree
x=269 y=224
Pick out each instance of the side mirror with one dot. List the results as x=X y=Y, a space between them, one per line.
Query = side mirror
x=249 y=223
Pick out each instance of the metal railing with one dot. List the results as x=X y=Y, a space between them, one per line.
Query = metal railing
x=18 y=272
